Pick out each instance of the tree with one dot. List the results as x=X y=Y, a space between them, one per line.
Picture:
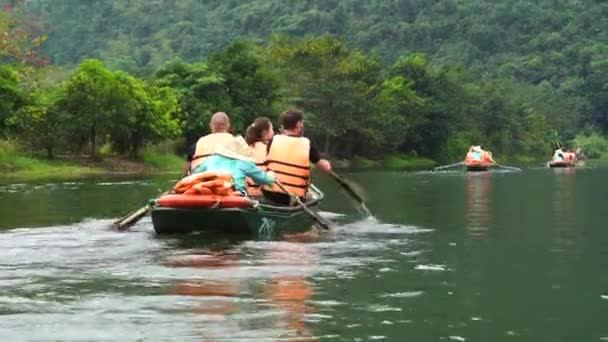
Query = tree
x=87 y=102
x=116 y=107
x=249 y=81
x=145 y=114
x=12 y=96
x=39 y=125
x=20 y=37
x=200 y=92
x=329 y=81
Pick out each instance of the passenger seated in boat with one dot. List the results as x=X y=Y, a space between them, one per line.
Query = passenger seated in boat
x=474 y=154
x=257 y=137
x=478 y=154
x=236 y=158
x=289 y=156
x=206 y=146
x=487 y=157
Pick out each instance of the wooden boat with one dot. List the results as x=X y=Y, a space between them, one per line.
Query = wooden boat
x=477 y=159
x=475 y=165
x=259 y=219
x=561 y=163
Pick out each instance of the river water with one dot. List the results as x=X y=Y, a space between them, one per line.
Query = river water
x=451 y=256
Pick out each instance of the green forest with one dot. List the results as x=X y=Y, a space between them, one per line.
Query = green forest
x=392 y=80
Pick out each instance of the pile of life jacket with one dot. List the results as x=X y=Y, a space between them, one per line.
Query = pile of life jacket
x=211 y=189
x=206 y=183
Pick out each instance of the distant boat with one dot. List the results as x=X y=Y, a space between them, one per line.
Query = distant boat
x=475 y=165
x=478 y=159
x=561 y=163
x=563 y=159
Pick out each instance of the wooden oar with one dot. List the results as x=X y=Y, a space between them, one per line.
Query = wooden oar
x=324 y=224
x=133 y=217
x=513 y=168
x=448 y=166
x=352 y=192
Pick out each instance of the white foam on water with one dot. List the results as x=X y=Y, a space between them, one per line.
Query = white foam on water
x=382 y=308
x=124 y=183
x=431 y=267
x=407 y=294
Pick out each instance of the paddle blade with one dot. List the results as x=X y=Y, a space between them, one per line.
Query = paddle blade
x=131 y=219
x=319 y=220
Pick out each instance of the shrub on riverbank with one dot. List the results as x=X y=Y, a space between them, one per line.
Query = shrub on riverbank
x=161 y=158
x=594 y=146
x=403 y=162
x=15 y=165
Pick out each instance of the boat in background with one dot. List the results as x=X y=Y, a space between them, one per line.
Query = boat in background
x=478 y=159
x=561 y=163
x=476 y=166
x=563 y=159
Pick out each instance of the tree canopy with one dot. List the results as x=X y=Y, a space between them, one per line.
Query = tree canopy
x=424 y=78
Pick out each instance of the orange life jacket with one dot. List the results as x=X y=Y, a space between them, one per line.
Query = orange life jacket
x=258 y=149
x=206 y=146
x=471 y=158
x=288 y=158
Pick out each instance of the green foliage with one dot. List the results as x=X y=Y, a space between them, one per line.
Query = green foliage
x=404 y=162
x=250 y=83
x=236 y=81
x=200 y=93
x=593 y=146
x=14 y=164
x=21 y=36
x=364 y=163
x=161 y=159
x=328 y=81
x=39 y=127
x=103 y=105
x=406 y=77
x=12 y=96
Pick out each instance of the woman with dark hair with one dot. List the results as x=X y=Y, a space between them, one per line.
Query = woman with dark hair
x=260 y=130
x=257 y=136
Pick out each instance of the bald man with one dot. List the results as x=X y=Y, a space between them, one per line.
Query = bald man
x=205 y=146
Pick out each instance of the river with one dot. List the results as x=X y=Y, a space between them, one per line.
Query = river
x=450 y=256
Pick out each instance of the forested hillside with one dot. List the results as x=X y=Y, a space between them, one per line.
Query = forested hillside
x=414 y=77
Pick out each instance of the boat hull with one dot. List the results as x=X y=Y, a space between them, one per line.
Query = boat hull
x=560 y=164
x=263 y=220
x=259 y=222
x=477 y=168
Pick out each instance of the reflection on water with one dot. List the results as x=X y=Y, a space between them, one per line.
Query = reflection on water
x=478 y=212
x=564 y=236
x=410 y=274
x=285 y=295
x=70 y=281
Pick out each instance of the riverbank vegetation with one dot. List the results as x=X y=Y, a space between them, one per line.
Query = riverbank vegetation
x=397 y=84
